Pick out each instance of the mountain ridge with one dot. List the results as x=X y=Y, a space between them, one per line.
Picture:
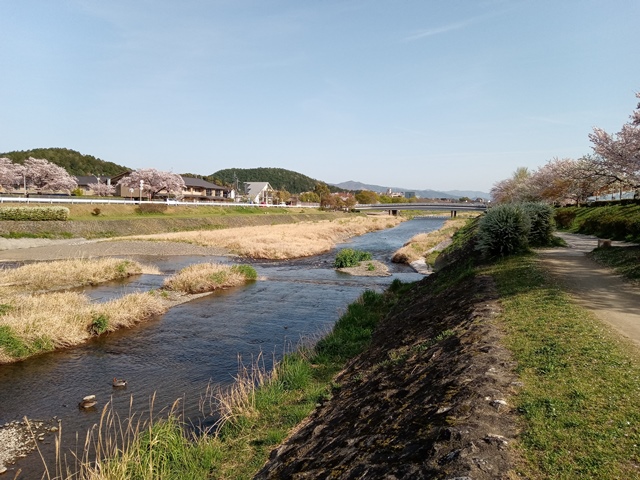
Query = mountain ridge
x=427 y=193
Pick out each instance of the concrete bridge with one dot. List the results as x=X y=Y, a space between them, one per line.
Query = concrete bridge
x=453 y=208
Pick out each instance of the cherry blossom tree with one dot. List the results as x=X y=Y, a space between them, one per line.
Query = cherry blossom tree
x=514 y=189
x=41 y=175
x=619 y=153
x=154 y=182
x=10 y=174
x=102 y=189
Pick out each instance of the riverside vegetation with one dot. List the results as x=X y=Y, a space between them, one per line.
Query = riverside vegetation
x=576 y=399
x=30 y=293
x=616 y=222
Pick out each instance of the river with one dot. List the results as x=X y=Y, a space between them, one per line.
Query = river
x=176 y=355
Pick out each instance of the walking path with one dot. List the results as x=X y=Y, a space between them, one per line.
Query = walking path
x=613 y=299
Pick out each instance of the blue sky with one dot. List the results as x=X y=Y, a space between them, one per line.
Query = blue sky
x=451 y=94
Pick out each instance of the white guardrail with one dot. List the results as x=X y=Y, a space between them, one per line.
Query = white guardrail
x=123 y=201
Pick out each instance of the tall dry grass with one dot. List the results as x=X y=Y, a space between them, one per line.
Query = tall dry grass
x=31 y=324
x=282 y=241
x=206 y=277
x=422 y=244
x=70 y=273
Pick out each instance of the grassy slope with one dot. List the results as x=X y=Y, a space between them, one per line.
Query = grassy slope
x=618 y=222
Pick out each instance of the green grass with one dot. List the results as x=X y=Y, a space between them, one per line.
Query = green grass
x=618 y=222
x=580 y=400
x=47 y=235
x=243 y=443
x=17 y=348
x=247 y=270
x=349 y=257
x=624 y=260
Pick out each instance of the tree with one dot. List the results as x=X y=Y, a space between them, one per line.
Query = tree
x=514 y=189
x=281 y=196
x=619 y=153
x=309 y=197
x=324 y=194
x=154 y=182
x=102 y=189
x=41 y=175
x=10 y=174
x=367 y=197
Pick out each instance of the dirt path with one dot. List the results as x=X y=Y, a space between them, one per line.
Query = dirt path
x=610 y=297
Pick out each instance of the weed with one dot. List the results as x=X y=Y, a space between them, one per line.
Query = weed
x=99 y=324
x=350 y=258
x=371 y=267
x=246 y=270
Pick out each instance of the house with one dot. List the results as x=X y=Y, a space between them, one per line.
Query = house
x=259 y=192
x=199 y=190
x=86 y=182
x=196 y=190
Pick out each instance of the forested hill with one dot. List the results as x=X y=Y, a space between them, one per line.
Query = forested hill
x=278 y=178
x=75 y=163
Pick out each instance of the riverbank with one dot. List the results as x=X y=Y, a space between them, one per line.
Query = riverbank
x=205 y=218
x=482 y=370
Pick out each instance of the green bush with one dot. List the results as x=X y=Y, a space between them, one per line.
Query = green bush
x=564 y=217
x=99 y=325
x=34 y=214
x=247 y=270
x=503 y=230
x=350 y=258
x=542 y=223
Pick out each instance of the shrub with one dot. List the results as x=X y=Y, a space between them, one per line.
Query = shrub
x=503 y=230
x=34 y=213
x=564 y=217
x=542 y=223
x=247 y=270
x=99 y=325
x=350 y=258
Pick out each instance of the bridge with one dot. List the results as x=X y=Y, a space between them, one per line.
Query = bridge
x=454 y=208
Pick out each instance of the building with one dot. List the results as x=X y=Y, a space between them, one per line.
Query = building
x=196 y=190
x=259 y=192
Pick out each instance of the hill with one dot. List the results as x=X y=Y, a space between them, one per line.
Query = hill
x=75 y=163
x=352 y=185
x=279 y=178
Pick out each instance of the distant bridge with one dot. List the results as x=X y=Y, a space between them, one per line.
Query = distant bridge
x=454 y=208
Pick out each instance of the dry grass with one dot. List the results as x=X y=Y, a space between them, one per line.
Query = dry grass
x=49 y=321
x=282 y=241
x=421 y=245
x=70 y=273
x=205 y=277
x=126 y=311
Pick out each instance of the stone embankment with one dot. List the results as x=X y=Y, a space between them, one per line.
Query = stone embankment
x=429 y=399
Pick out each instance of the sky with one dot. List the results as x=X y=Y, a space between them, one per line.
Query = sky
x=424 y=94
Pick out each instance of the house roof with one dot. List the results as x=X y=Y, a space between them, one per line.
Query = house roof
x=254 y=188
x=88 y=179
x=198 y=182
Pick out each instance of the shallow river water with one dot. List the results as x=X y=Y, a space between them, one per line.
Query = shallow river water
x=178 y=354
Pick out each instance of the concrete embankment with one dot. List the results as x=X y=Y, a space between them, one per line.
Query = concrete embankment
x=144 y=226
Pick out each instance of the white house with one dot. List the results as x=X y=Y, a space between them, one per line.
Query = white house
x=259 y=192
